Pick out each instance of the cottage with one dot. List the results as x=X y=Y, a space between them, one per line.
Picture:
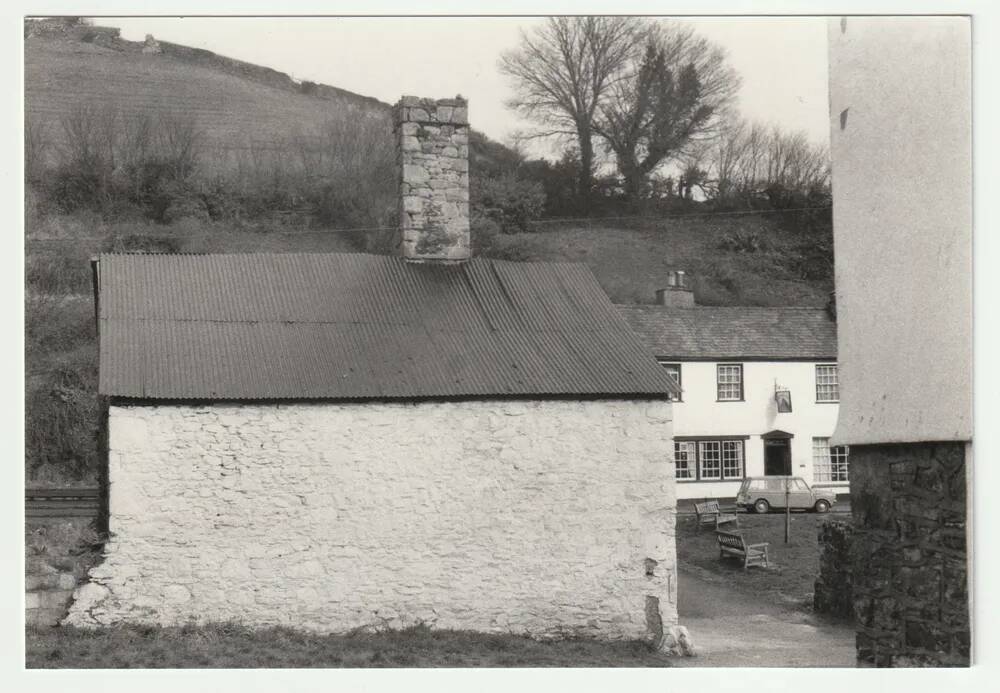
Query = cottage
x=759 y=390
x=347 y=441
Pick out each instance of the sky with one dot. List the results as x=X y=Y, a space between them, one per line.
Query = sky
x=783 y=61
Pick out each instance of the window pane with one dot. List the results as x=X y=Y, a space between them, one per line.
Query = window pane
x=729 y=379
x=829 y=464
x=827 y=383
x=711 y=459
x=684 y=458
x=838 y=463
x=732 y=459
x=821 y=459
x=674 y=371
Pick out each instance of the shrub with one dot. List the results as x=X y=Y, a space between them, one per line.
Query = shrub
x=511 y=202
x=61 y=422
x=108 y=160
x=741 y=241
x=484 y=232
x=510 y=249
x=176 y=200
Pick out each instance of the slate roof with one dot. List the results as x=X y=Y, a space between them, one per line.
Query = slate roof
x=358 y=326
x=745 y=333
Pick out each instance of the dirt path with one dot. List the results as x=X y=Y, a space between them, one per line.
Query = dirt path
x=733 y=629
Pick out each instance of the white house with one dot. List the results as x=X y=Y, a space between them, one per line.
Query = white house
x=733 y=365
x=343 y=441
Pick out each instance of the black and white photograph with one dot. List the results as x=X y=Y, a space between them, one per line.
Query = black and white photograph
x=548 y=341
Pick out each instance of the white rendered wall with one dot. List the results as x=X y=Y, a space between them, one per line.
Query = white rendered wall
x=506 y=516
x=700 y=414
x=901 y=140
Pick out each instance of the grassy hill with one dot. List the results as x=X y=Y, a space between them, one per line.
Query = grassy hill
x=631 y=261
x=772 y=258
x=233 y=103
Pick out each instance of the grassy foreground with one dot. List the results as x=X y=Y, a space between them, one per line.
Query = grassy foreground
x=793 y=566
x=236 y=646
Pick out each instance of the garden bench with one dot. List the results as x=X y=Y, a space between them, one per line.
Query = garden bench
x=733 y=544
x=709 y=514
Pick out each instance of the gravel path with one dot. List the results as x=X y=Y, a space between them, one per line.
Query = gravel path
x=731 y=629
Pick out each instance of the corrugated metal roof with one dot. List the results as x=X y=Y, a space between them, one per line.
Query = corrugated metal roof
x=747 y=333
x=290 y=326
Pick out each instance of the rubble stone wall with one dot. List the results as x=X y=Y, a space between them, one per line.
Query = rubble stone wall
x=47 y=594
x=909 y=554
x=433 y=156
x=539 y=517
x=833 y=591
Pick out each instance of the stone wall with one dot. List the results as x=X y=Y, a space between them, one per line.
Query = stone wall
x=833 y=590
x=910 y=562
x=537 y=517
x=47 y=594
x=433 y=154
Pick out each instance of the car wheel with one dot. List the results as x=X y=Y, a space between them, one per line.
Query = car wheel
x=761 y=506
x=822 y=506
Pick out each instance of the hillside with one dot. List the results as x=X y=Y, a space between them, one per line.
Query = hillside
x=630 y=262
x=234 y=103
x=772 y=258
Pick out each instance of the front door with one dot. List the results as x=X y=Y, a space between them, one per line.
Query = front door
x=777 y=457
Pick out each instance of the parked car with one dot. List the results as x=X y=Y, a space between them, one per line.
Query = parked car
x=761 y=493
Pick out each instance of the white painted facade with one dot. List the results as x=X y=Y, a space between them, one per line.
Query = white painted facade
x=901 y=141
x=700 y=416
x=542 y=517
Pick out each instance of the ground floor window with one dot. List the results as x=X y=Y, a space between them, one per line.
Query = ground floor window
x=829 y=463
x=709 y=460
x=685 y=458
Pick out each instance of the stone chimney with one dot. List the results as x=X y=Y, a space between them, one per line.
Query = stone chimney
x=433 y=154
x=677 y=294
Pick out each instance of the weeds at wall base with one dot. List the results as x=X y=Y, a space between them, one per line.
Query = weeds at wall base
x=233 y=645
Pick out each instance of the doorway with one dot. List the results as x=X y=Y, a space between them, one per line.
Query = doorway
x=777 y=456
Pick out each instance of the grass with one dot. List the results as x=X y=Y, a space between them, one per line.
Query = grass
x=794 y=566
x=233 y=110
x=236 y=646
x=631 y=262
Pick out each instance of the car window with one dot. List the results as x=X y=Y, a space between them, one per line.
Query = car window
x=758 y=484
x=801 y=485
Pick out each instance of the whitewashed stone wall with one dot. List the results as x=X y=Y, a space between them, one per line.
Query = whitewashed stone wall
x=433 y=159
x=538 y=517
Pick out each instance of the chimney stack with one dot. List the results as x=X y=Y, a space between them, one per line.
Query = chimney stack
x=433 y=153
x=677 y=294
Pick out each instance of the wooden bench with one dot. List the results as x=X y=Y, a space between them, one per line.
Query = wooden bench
x=733 y=544
x=709 y=514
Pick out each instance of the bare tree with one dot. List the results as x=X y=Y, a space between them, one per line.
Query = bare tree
x=563 y=70
x=749 y=161
x=667 y=98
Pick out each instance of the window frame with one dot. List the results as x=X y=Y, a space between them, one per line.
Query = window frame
x=667 y=365
x=724 y=448
x=690 y=460
x=719 y=383
x=831 y=464
x=835 y=384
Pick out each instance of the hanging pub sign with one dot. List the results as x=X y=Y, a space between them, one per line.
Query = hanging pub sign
x=784 y=400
